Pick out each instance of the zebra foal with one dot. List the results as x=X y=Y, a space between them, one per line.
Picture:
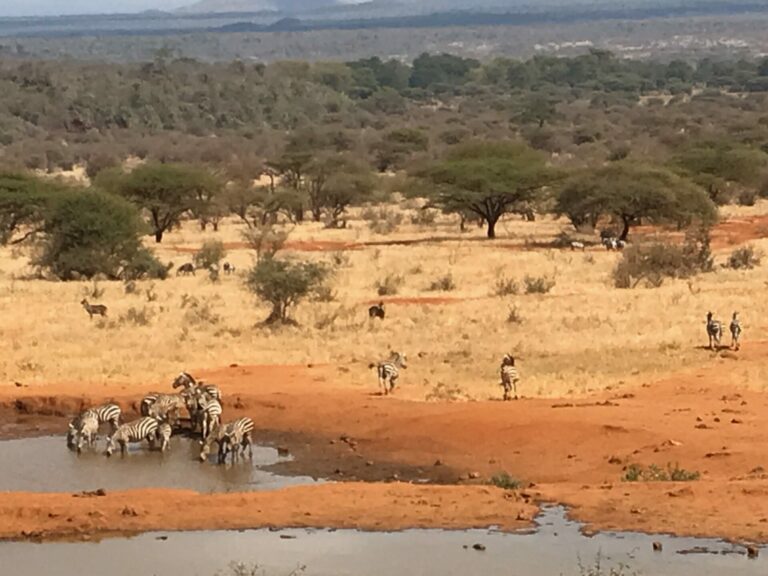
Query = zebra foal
x=388 y=371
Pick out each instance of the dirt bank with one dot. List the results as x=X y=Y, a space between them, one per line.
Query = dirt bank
x=574 y=451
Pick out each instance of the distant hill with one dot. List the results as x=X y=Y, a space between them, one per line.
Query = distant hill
x=224 y=6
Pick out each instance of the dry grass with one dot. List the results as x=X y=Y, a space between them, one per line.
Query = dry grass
x=582 y=336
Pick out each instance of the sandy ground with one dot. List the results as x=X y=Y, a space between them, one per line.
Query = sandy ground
x=570 y=451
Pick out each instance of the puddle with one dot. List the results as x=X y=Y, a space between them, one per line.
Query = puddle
x=46 y=465
x=554 y=549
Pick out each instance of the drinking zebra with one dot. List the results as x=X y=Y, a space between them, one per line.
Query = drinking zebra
x=509 y=376
x=136 y=431
x=735 y=330
x=388 y=371
x=108 y=414
x=83 y=429
x=164 y=432
x=714 y=331
x=231 y=437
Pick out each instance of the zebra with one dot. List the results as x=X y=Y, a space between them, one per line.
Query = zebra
x=577 y=246
x=188 y=382
x=167 y=407
x=376 y=311
x=83 y=428
x=208 y=414
x=107 y=414
x=163 y=435
x=136 y=431
x=714 y=331
x=735 y=331
x=231 y=438
x=94 y=309
x=509 y=375
x=186 y=269
x=389 y=371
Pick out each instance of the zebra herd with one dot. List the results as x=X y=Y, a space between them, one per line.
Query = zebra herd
x=715 y=331
x=161 y=416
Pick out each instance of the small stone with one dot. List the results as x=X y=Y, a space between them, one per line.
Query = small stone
x=614 y=460
x=716 y=419
x=369 y=463
x=474 y=475
x=736 y=421
x=752 y=552
x=479 y=547
x=438 y=462
x=283 y=451
x=657 y=547
x=128 y=511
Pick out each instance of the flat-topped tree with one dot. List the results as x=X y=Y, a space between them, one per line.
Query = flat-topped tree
x=166 y=191
x=489 y=179
x=630 y=192
x=24 y=201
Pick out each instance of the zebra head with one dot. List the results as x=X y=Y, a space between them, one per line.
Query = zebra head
x=508 y=360
x=184 y=379
x=735 y=316
x=709 y=317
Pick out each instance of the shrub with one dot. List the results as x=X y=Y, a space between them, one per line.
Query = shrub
x=654 y=473
x=382 y=220
x=201 y=314
x=747 y=198
x=90 y=233
x=138 y=316
x=505 y=286
x=210 y=254
x=514 y=316
x=505 y=481
x=744 y=258
x=390 y=285
x=283 y=284
x=145 y=265
x=442 y=284
x=538 y=284
x=653 y=263
x=424 y=217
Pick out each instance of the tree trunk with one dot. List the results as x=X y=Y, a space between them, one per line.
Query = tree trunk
x=216 y=226
x=158 y=236
x=625 y=230
x=203 y=225
x=491 y=227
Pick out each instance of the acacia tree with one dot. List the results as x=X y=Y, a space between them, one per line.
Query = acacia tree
x=630 y=193
x=335 y=182
x=24 y=201
x=165 y=192
x=488 y=179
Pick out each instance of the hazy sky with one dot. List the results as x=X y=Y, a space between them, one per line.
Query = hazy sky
x=52 y=7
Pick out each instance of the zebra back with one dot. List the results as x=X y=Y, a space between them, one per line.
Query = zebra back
x=137 y=430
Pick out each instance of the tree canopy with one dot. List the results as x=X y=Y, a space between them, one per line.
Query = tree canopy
x=488 y=179
x=629 y=193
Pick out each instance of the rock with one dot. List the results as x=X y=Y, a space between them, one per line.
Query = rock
x=287 y=536
x=128 y=511
x=657 y=547
x=369 y=463
x=438 y=462
x=752 y=552
x=614 y=460
x=716 y=419
x=736 y=421
x=479 y=547
x=523 y=516
x=283 y=451
x=474 y=475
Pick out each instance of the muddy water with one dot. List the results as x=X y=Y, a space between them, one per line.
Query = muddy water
x=46 y=465
x=556 y=548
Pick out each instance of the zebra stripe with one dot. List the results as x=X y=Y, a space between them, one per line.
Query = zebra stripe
x=188 y=382
x=509 y=375
x=735 y=328
x=136 y=431
x=714 y=331
x=236 y=436
x=83 y=428
x=107 y=414
x=389 y=371
x=211 y=416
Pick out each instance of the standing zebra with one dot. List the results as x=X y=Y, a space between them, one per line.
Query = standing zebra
x=136 y=431
x=210 y=415
x=164 y=406
x=389 y=371
x=83 y=429
x=108 y=414
x=509 y=376
x=735 y=331
x=188 y=382
x=164 y=432
x=714 y=331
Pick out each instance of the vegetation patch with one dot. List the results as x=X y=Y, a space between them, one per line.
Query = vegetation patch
x=654 y=473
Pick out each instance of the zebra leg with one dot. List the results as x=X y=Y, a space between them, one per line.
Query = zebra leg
x=247 y=442
x=514 y=384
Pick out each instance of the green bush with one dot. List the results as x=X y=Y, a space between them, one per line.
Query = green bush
x=505 y=286
x=283 y=284
x=505 y=481
x=442 y=284
x=744 y=258
x=211 y=253
x=90 y=233
x=654 y=473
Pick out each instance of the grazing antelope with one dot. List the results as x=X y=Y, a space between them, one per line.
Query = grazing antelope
x=186 y=269
x=376 y=311
x=714 y=331
x=735 y=331
x=94 y=309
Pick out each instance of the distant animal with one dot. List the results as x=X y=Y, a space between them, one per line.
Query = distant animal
x=229 y=268
x=509 y=376
x=136 y=431
x=714 y=331
x=611 y=243
x=376 y=311
x=83 y=430
x=186 y=269
x=388 y=371
x=94 y=309
x=163 y=434
x=735 y=331
x=578 y=246
x=621 y=244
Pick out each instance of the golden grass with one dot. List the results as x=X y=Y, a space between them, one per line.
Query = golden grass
x=583 y=336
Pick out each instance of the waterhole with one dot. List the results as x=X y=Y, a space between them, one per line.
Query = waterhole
x=46 y=465
x=555 y=548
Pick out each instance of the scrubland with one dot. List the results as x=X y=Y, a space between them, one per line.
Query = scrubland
x=583 y=335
